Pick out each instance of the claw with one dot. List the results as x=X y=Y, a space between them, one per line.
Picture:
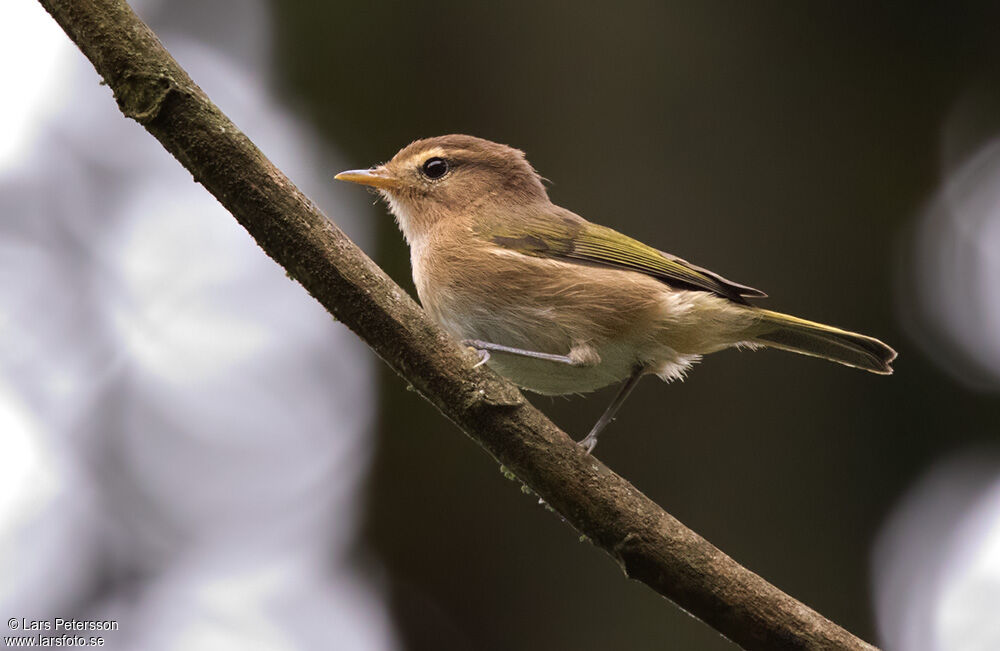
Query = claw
x=484 y=356
x=588 y=443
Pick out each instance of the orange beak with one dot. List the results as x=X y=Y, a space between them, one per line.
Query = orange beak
x=377 y=177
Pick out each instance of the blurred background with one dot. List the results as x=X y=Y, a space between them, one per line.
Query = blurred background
x=191 y=446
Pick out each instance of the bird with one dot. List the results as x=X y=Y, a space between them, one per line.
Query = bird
x=560 y=305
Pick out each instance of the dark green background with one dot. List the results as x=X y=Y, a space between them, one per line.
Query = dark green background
x=786 y=145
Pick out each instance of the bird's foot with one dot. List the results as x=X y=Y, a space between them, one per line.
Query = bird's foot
x=588 y=443
x=484 y=356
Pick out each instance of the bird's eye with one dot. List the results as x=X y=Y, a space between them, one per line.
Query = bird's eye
x=435 y=168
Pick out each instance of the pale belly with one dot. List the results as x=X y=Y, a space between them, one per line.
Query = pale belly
x=537 y=330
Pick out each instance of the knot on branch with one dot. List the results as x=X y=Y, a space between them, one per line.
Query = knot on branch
x=141 y=96
x=625 y=548
x=498 y=396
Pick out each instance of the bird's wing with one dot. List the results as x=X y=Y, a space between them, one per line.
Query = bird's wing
x=569 y=237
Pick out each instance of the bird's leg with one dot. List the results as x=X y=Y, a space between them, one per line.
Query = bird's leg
x=487 y=347
x=589 y=442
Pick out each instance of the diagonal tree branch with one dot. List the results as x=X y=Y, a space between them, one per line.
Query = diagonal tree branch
x=650 y=545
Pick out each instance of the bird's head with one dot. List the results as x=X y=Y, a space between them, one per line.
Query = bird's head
x=451 y=177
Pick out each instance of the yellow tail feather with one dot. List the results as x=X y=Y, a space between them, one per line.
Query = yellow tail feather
x=787 y=332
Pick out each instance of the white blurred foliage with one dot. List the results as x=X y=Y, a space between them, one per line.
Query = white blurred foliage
x=954 y=311
x=183 y=430
x=38 y=85
x=936 y=562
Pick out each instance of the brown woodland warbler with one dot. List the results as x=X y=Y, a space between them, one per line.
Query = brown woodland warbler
x=558 y=304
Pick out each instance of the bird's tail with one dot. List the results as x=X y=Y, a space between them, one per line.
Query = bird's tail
x=777 y=330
